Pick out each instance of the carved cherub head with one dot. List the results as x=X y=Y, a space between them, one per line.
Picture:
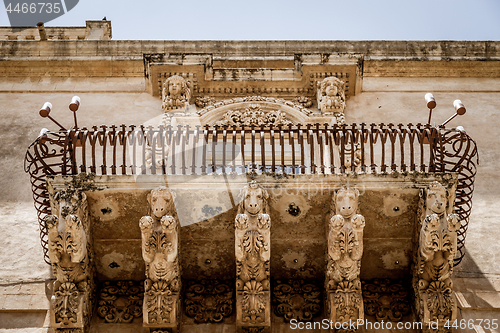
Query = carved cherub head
x=161 y=202
x=331 y=86
x=345 y=202
x=175 y=87
x=330 y=95
x=253 y=199
x=436 y=199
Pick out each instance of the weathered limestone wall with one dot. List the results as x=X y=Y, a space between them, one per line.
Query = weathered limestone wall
x=113 y=91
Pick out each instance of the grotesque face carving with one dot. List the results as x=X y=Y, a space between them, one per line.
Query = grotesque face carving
x=346 y=202
x=437 y=198
x=254 y=199
x=161 y=202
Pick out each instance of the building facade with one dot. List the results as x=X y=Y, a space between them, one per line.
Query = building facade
x=247 y=186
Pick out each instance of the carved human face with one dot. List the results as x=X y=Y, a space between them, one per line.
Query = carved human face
x=331 y=90
x=254 y=200
x=346 y=202
x=436 y=200
x=161 y=202
x=174 y=88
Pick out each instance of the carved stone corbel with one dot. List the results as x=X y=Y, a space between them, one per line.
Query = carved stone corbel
x=345 y=249
x=176 y=93
x=69 y=253
x=253 y=235
x=437 y=246
x=331 y=98
x=160 y=247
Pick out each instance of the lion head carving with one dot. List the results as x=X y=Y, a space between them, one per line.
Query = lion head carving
x=435 y=199
x=253 y=199
x=161 y=202
x=345 y=202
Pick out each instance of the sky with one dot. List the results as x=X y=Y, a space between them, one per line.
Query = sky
x=289 y=20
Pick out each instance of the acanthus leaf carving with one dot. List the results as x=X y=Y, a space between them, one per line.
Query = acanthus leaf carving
x=160 y=242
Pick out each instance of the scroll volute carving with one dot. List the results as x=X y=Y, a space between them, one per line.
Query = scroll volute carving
x=69 y=246
x=176 y=93
x=253 y=235
x=437 y=247
x=331 y=98
x=160 y=242
x=345 y=249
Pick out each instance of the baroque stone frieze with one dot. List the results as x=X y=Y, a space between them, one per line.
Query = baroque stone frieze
x=387 y=300
x=252 y=228
x=253 y=115
x=120 y=301
x=160 y=241
x=298 y=106
x=437 y=247
x=345 y=249
x=296 y=299
x=209 y=301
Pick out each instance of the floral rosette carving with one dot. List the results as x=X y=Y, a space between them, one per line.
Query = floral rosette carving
x=208 y=300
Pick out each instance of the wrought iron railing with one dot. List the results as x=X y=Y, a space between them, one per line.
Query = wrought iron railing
x=311 y=149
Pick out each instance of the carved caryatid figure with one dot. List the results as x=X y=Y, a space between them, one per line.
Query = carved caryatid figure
x=331 y=98
x=345 y=249
x=437 y=248
x=160 y=239
x=253 y=237
x=68 y=253
x=176 y=93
